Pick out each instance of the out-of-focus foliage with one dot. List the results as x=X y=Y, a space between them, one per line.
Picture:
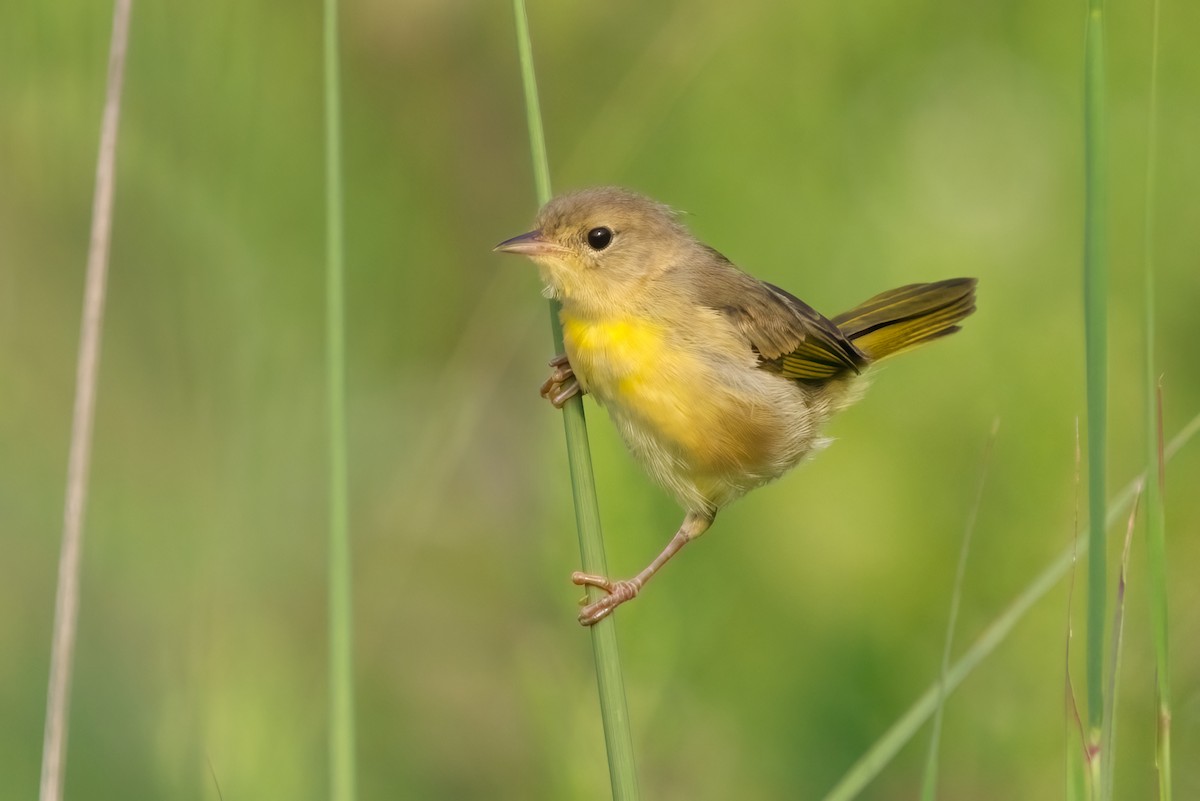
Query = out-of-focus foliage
x=835 y=149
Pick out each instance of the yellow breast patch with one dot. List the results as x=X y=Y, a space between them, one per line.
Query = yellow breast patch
x=626 y=341
x=629 y=366
x=615 y=356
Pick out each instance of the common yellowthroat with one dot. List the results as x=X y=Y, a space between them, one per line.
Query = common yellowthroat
x=718 y=382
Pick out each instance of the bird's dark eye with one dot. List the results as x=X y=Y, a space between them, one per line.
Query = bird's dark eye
x=599 y=238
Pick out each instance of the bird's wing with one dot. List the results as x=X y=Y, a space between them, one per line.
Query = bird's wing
x=790 y=337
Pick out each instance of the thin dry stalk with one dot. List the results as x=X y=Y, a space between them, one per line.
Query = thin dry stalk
x=66 y=604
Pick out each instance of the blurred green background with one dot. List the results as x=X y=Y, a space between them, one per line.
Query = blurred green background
x=834 y=149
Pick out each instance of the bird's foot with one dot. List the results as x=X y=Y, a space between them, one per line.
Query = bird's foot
x=562 y=385
x=618 y=593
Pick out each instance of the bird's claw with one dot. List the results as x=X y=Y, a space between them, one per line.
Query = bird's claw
x=618 y=592
x=562 y=385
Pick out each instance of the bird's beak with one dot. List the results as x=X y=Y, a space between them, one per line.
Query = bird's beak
x=530 y=244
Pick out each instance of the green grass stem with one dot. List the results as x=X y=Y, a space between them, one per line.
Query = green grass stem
x=1156 y=549
x=869 y=765
x=1114 y=666
x=1157 y=557
x=342 y=778
x=1077 y=741
x=66 y=602
x=1095 y=292
x=1076 y=775
x=613 y=707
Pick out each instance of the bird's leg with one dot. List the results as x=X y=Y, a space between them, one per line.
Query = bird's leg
x=694 y=524
x=562 y=385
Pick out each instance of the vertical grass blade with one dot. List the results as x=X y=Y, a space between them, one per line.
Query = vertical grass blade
x=929 y=783
x=342 y=779
x=1076 y=785
x=66 y=602
x=1076 y=740
x=533 y=107
x=1156 y=536
x=613 y=707
x=1114 y=668
x=1095 y=283
x=1156 y=548
x=1076 y=750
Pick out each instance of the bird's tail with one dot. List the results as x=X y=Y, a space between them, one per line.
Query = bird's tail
x=894 y=321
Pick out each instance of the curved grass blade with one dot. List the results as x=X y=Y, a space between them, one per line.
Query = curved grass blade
x=929 y=783
x=869 y=765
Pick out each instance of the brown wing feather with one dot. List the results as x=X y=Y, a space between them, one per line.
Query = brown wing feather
x=790 y=337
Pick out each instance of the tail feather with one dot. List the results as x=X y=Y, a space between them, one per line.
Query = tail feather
x=903 y=318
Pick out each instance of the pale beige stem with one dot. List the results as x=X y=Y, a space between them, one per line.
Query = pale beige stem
x=66 y=605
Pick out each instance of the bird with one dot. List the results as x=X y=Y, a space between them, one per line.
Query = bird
x=717 y=382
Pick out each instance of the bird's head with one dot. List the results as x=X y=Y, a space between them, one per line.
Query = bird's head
x=599 y=248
